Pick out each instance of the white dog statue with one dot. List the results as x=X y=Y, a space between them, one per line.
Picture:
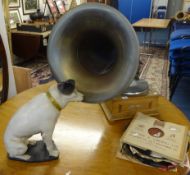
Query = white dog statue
x=39 y=115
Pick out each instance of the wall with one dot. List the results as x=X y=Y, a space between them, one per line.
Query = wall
x=42 y=6
x=3 y=32
x=186 y=5
x=160 y=2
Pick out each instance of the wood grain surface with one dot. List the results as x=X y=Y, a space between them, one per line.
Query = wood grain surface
x=43 y=34
x=87 y=141
x=152 y=23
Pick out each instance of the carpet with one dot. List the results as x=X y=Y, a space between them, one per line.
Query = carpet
x=154 y=69
x=41 y=73
x=41 y=76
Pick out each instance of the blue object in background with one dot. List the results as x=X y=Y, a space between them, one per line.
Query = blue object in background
x=124 y=6
x=135 y=10
x=179 y=56
x=180 y=66
x=181 y=96
x=181 y=25
x=161 y=12
x=180 y=34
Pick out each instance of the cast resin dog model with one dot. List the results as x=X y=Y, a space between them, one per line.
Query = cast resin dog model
x=39 y=115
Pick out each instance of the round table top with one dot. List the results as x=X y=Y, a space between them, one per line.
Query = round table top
x=86 y=140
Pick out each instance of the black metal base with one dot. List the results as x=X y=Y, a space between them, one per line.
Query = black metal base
x=38 y=153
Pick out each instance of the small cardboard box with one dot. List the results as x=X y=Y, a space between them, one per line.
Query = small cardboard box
x=126 y=108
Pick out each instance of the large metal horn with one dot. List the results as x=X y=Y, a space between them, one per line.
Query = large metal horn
x=97 y=47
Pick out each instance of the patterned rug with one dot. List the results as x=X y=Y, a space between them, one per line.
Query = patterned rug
x=40 y=71
x=41 y=76
x=154 y=69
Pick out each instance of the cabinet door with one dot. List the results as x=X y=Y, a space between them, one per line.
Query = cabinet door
x=140 y=9
x=135 y=10
x=125 y=7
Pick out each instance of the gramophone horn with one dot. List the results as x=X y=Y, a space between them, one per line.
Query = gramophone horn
x=97 y=47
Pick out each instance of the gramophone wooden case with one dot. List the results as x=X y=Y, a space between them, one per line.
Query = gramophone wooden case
x=126 y=107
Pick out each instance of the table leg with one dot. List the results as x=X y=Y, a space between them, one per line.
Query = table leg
x=144 y=43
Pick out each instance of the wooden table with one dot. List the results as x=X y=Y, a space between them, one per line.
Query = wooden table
x=152 y=23
x=87 y=141
x=149 y=24
x=43 y=34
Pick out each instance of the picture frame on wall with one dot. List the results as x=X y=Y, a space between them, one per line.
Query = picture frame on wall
x=14 y=3
x=30 y=6
x=14 y=18
x=52 y=7
x=60 y=6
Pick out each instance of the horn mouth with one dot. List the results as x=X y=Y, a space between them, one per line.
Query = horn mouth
x=97 y=47
x=95 y=51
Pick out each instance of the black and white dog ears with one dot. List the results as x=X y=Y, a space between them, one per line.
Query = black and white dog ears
x=66 y=87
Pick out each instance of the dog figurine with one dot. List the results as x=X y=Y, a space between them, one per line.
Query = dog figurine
x=39 y=115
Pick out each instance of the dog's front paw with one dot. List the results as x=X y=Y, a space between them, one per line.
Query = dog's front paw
x=54 y=153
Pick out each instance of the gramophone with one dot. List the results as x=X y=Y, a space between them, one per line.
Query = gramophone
x=95 y=45
x=93 y=49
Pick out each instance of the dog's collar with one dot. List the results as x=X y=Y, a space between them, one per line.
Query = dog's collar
x=53 y=101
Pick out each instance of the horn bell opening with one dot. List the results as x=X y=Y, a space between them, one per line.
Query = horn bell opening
x=97 y=47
